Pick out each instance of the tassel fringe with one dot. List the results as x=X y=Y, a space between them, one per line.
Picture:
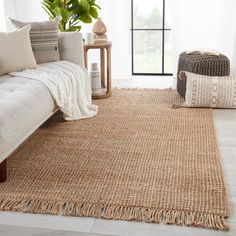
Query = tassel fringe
x=175 y=106
x=184 y=218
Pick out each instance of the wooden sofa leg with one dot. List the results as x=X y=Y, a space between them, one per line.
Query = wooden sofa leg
x=3 y=171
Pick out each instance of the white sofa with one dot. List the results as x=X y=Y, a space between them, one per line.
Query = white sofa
x=26 y=104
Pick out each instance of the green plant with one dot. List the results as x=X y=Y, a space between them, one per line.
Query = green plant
x=71 y=12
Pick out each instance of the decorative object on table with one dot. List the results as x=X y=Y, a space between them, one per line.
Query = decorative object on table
x=99 y=29
x=95 y=78
x=209 y=91
x=106 y=89
x=127 y=164
x=201 y=64
x=90 y=38
x=100 y=39
x=44 y=39
x=71 y=13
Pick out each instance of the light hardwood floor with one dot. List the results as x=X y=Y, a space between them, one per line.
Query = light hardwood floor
x=6 y=230
x=225 y=123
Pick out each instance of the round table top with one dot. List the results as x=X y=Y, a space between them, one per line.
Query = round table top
x=102 y=45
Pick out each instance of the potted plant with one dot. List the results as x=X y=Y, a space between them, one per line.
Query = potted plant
x=71 y=12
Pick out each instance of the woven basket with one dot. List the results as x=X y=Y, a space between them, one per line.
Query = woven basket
x=201 y=64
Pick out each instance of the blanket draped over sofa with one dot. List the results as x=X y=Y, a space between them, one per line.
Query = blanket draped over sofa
x=69 y=85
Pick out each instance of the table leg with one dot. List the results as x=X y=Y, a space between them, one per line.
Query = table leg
x=86 y=58
x=102 y=60
x=109 y=72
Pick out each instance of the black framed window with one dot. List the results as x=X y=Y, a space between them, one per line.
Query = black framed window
x=151 y=37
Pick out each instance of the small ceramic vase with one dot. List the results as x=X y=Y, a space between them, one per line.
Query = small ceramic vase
x=95 y=77
x=90 y=38
x=99 y=27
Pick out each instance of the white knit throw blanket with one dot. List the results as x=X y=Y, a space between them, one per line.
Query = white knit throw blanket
x=69 y=85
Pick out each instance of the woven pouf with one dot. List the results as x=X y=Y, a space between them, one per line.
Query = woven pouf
x=201 y=64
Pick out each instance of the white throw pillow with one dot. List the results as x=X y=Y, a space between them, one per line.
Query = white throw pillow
x=15 y=51
x=210 y=91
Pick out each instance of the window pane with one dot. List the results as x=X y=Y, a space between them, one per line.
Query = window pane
x=148 y=14
x=167 y=14
x=147 y=51
x=168 y=53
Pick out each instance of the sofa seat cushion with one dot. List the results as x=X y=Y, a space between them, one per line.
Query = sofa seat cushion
x=24 y=105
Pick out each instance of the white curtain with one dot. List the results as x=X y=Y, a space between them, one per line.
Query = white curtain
x=116 y=16
x=205 y=24
x=2 y=16
x=7 y=8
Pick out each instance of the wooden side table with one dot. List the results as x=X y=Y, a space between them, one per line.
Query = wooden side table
x=106 y=85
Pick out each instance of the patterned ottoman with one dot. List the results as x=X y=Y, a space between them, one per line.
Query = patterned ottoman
x=201 y=64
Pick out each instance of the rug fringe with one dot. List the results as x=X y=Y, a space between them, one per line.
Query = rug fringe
x=31 y=206
x=140 y=88
x=184 y=218
x=176 y=106
x=209 y=221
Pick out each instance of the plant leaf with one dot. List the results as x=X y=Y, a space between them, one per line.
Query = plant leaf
x=71 y=12
x=51 y=16
x=84 y=5
x=93 y=12
x=74 y=28
x=64 y=15
x=86 y=19
x=57 y=11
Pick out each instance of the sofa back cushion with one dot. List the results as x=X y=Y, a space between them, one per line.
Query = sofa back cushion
x=71 y=47
x=44 y=39
x=210 y=91
x=15 y=51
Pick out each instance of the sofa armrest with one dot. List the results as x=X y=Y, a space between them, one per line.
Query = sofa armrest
x=71 y=47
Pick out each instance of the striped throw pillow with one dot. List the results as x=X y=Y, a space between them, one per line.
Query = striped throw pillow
x=44 y=39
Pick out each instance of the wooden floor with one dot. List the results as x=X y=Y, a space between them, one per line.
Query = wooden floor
x=225 y=123
x=28 y=231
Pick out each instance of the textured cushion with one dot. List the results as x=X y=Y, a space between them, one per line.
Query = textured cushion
x=24 y=105
x=71 y=47
x=210 y=91
x=44 y=39
x=203 y=65
x=15 y=51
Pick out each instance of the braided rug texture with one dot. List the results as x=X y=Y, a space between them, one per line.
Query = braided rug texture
x=138 y=159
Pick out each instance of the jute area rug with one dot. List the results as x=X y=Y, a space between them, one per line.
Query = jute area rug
x=138 y=159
